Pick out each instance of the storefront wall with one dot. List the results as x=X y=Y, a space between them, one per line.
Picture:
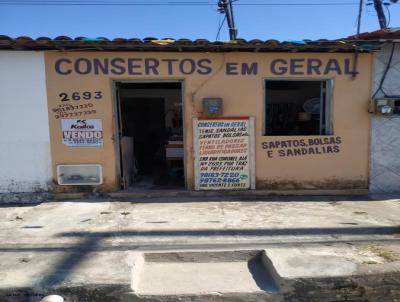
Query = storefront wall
x=238 y=78
x=25 y=143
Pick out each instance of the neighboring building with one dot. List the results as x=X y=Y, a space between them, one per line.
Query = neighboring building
x=385 y=134
x=25 y=158
x=162 y=114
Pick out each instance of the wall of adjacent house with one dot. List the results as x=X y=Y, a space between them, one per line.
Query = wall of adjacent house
x=385 y=140
x=25 y=158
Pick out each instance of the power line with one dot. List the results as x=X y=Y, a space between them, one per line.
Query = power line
x=193 y=1
x=158 y=3
x=226 y=8
x=219 y=28
x=387 y=67
x=389 y=16
x=378 y=5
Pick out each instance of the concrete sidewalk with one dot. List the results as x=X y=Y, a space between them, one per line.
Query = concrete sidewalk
x=315 y=249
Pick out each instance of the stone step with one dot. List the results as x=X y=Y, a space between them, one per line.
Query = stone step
x=162 y=276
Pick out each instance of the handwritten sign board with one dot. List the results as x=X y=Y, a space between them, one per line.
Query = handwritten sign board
x=224 y=153
x=82 y=133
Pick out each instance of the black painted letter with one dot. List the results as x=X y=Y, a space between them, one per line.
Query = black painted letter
x=279 y=70
x=58 y=66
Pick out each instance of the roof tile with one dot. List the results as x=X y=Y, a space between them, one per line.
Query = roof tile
x=169 y=44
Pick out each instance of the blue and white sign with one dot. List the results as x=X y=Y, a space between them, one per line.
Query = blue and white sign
x=223 y=153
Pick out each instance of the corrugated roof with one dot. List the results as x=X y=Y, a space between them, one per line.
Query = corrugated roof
x=378 y=35
x=65 y=43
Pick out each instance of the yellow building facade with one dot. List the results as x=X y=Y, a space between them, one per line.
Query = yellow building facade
x=311 y=123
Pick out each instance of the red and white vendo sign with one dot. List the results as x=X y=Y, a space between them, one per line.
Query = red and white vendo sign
x=82 y=133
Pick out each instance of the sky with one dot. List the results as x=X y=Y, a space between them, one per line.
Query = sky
x=191 y=22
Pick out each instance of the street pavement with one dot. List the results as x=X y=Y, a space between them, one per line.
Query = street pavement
x=92 y=249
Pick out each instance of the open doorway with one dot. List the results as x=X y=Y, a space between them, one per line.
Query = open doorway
x=150 y=135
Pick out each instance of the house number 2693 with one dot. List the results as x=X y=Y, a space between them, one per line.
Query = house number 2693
x=77 y=96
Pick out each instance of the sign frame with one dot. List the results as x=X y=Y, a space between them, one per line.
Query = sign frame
x=82 y=126
x=251 y=151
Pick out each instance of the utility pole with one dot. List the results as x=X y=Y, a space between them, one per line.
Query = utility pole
x=360 y=7
x=355 y=64
x=225 y=7
x=381 y=15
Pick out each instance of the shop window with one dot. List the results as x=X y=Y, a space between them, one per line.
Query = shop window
x=297 y=107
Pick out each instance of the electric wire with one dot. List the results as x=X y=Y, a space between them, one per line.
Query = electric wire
x=380 y=87
x=219 y=28
x=159 y=3
x=389 y=16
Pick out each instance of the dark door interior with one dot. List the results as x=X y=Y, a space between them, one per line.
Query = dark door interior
x=144 y=121
x=151 y=135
